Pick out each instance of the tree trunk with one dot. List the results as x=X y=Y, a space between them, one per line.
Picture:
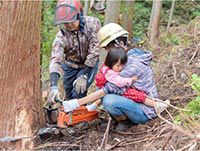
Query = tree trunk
x=171 y=14
x=154 y=34
x=86 y=6
x=127 y=16
x=20 y=105
x=112 y=11
x=151 y=17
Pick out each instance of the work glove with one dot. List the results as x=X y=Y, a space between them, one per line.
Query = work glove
x=53 y=94
x=80 y=84
x=91 y=107
x=70 y=105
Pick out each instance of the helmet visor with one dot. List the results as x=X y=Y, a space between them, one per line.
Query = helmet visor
x=65 y=14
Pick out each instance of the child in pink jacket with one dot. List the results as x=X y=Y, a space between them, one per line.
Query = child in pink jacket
x=110 y=72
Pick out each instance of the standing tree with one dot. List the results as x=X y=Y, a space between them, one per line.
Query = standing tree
x=155 y=23
x=151 y=17
x=86 y=6
x=20 y=105
x=127 y=16
x=112 y=11
x=171 y=14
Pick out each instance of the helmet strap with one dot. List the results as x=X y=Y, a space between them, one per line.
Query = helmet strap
x=121 y=43
x=80 y=17
x=62 y=29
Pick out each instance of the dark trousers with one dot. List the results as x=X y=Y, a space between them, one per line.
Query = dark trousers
x=70 y=75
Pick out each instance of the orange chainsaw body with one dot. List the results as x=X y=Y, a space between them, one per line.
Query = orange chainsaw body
x=79 y=115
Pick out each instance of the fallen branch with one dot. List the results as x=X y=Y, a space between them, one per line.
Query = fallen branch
x=159 y=134
x=158 y=100
x=105 y=137
x=194 y=55
x=116 y=144
x=176 y=127
x=167 y=141
x=55 y=144
x=185 y=147
x=144 y=140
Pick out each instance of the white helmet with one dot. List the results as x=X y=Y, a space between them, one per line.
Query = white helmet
x=110 y=32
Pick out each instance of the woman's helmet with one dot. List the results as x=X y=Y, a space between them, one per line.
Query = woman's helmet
x=67 y=11
x=109 y=33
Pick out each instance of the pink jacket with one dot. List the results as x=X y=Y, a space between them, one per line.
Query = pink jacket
x=115 y=78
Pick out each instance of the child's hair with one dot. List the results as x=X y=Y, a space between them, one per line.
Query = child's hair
x=114 y=55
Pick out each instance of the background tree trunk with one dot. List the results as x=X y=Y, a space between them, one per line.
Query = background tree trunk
x=86 y=6
x=127 y=16
x=154 y=32
x=151 y=17
x=20 y=104
x=171 y=14
x=112 y=11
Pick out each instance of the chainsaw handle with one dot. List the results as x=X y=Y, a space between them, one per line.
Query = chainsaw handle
x=58 y=100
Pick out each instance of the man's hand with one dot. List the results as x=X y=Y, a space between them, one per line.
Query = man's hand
x=80 y=84
x=70 y=105
x=53 y=94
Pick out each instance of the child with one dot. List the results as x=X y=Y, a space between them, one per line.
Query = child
x=110 y=72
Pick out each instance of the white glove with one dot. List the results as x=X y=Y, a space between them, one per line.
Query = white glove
x=53 y=94
x=91 y=107
x=70 y=105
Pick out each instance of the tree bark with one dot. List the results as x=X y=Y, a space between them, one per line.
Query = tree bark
x=151 y=17
x=154 y=34
x=112 y=11
x=171 y=14
x=127 y=16
x=86 y=6
x=20 y=104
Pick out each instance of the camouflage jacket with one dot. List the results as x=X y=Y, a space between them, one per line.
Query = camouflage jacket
x=76 y=48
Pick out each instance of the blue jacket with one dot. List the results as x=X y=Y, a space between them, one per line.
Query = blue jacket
x=139 y=65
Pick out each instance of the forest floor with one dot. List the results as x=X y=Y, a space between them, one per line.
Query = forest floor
x=173 y=65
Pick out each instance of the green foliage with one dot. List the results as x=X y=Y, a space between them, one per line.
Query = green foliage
x=48 y=34
x=174 y=40
x=97 y=15
x=196 y=83
x=186 y=10
x=169 y=39
x=194 y=105
x=141 y=17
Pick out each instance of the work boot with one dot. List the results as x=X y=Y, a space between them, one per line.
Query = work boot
x=160 y=107
x=113 y=122
x=123 y=126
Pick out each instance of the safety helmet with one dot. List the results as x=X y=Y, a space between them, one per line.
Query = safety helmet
x=110 y=32
x=67 y=11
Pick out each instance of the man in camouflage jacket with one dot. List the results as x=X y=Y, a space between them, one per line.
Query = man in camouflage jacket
x=75 y=51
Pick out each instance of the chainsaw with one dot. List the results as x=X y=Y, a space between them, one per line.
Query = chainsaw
x=56 y=115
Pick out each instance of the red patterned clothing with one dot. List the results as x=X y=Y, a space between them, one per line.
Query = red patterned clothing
x=100 y=78
x=131 y=93
x=135 y=95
